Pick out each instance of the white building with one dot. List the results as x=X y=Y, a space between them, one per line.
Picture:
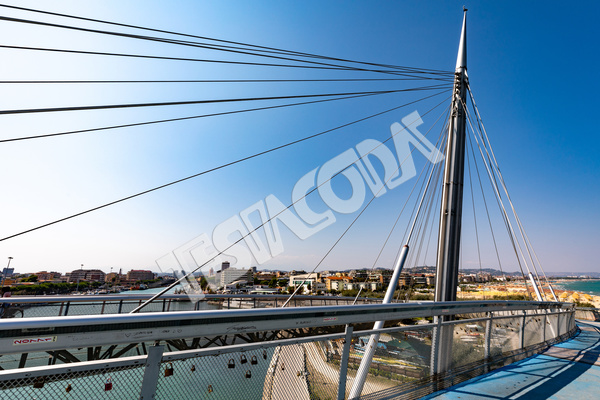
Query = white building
x=230 y=275
x=310 y=282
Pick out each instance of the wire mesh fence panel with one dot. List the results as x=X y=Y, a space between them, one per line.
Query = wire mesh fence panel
x=323 y=367
x=227 y=376
x=468 y=344
x=72 y=355
x=400 y=357
x=565 y=322
x=74 y=308
x=24 y=310
x=506 y=335
x=533 y=329
x=118 y=383
x=551 y=326
x=590 y=314
x=288 y=375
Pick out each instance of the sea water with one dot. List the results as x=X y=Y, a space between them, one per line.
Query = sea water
x=583 y=286
x=209 y=372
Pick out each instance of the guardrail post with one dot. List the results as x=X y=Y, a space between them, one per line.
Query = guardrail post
x=522 y=344
x=344 y=363
x=151 y=372
x=435 y=342
x=488 y=335
x=120 y=306
x=544 y=326
x=558 y=323
x=67 y=308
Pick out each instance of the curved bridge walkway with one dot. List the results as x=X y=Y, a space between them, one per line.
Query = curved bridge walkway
x=569 y=370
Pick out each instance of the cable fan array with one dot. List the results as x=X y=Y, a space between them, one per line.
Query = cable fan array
x=283 y=90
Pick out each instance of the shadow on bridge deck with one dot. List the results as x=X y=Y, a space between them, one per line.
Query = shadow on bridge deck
x=566 y=370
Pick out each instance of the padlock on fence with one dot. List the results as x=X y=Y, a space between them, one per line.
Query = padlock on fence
x=38 y=383
x=169 y=370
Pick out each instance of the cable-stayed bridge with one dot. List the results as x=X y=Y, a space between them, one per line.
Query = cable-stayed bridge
x=313 y=351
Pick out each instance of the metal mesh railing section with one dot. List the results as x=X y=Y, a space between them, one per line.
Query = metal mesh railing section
x=322 y=360
x=73 y=308
x=72 y=355
x=400 y=357
x=239 y=375
x=121 y=383
x=506 y=335
x=565 y=323
x=468 y=345
x=590 y=314
x=533 y=330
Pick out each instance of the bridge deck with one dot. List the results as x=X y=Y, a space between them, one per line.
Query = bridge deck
x=565 y=371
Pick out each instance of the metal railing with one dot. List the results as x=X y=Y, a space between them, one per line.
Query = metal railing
x=590 y=314
x=317 y=366
x=60 y=306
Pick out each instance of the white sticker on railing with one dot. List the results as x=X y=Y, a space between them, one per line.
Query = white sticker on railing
x=34 y=340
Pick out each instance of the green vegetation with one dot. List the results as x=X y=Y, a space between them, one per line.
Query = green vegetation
x=584 y=305
x=511 y=297
x=52 y=288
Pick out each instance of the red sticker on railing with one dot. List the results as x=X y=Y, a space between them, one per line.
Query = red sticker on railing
x=34 y=340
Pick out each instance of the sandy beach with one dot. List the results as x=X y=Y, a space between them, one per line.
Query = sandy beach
x=501 y=290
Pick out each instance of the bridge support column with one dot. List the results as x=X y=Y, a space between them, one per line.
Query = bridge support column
x=448 y=251
x=441 y=346
x=435 y=344
x=344 y=363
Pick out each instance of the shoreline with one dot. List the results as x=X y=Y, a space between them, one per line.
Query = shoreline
x=563 y=294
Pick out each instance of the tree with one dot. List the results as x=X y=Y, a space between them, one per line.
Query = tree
x=282 y=282
x=203 y=283
x=30 y=278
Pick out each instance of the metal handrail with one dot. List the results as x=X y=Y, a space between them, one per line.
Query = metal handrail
x=191 y=297
x=50 y=333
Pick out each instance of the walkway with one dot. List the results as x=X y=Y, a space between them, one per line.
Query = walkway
x=288 y=381
x=569 y=370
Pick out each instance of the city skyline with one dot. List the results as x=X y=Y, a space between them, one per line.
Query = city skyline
x=517 y=55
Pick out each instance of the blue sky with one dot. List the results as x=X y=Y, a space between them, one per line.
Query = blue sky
x=531 y=69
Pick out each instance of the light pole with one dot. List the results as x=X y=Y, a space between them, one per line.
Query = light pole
x=6 y=270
